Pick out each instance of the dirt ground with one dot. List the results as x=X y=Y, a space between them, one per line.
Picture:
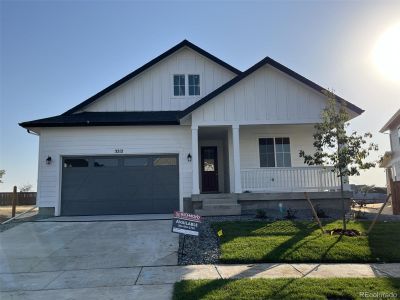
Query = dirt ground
x=5 y=211
x=374 y=208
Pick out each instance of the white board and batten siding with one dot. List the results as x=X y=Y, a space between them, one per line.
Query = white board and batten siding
x=395 y=141
x=58 y=142
x=152 y=90
x=395 y=148
x=266 y=96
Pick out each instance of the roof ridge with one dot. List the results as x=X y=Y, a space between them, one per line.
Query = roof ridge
x=390 y=121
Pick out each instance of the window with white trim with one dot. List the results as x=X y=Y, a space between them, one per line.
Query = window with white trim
x=398 y=134
x=186 y=84
x=274 y=152
x=179 y=85
x=194 y=85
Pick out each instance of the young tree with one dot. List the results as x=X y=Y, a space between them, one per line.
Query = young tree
x=346 y=153
x=25 y=188
x=2 y=172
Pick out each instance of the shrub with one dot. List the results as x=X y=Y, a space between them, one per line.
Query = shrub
x=320 y=212
x=261 y=214
x=291 y=214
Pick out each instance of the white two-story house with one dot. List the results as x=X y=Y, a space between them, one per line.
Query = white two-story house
x=184 y=131
x=391 y=159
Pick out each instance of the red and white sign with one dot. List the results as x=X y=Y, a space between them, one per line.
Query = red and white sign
x=186 y=223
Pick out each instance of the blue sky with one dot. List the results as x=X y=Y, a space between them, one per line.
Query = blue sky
x=55 y=54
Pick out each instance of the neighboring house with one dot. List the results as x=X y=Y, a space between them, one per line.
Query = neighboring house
x=184 y=131
x=391 y=159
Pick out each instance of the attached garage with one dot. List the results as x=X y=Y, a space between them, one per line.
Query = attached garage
x=106 y=185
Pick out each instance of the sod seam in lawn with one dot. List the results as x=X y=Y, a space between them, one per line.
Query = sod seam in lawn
x=288 y=288
x=302 y=241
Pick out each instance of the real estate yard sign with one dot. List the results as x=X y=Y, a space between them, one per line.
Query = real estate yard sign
x=186 y=223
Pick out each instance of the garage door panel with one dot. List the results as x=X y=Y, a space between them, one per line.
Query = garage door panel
x=165 y=203
x=167 y=179
x=163 y=189
x=104 y=205
x=120 y=185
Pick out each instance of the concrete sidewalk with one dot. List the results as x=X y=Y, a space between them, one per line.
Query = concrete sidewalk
x=172 y=274
x=156 y=282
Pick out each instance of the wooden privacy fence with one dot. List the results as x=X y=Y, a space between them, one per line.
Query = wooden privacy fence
x=24 y=198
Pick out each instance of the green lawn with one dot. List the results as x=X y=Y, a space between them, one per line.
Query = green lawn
x=303 y=288
x=291 y=241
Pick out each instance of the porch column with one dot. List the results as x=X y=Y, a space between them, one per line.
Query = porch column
x=195 y=160
x=236 y=158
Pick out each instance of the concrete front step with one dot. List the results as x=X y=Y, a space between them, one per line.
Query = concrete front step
x=219 y=201
x=217 y=196
x=219 y=210
x=220 y=206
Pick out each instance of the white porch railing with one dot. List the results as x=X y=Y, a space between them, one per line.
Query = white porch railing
x=296 y=179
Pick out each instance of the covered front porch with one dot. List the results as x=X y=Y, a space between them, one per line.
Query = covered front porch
x=257 y=159
x=239 y=169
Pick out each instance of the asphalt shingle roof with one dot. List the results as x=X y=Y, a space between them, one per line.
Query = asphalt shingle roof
x=107 y=119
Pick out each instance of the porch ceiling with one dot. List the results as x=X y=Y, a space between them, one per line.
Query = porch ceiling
x=213 y=132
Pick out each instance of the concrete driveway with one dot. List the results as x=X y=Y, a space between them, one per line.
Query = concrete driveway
x=76 y=259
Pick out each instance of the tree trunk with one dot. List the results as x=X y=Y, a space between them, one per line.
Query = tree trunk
x=379 y=213
x=341 y=183
x=343 y=202
x=314 y=212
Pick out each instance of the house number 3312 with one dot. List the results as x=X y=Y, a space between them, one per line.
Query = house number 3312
x=119 y=150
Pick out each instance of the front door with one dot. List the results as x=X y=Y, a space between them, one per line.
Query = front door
x=209 y=169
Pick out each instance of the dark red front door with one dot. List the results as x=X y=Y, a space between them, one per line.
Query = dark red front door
x=209 y=169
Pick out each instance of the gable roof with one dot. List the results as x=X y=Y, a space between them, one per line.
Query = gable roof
x=266 y=61
x=184 y=43
x=392 y=121
x=71 y=118
x=107 y=119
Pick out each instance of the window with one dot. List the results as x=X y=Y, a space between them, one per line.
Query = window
x=105 y=162
x=282 y=147
x=136 y=162
x=267 y=153
x=179 y=85
x=194 y=85
x=192 y=88
x=76 y=163
x=164 y=161
x=274 y=152
x=398 y=134
x=209 y=165
x=209 y=157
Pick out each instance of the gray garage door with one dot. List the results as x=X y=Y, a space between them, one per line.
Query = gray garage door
x=119 y=185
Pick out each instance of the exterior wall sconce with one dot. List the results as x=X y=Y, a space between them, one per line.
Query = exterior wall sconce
x=48 y=160
x=189 y=157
